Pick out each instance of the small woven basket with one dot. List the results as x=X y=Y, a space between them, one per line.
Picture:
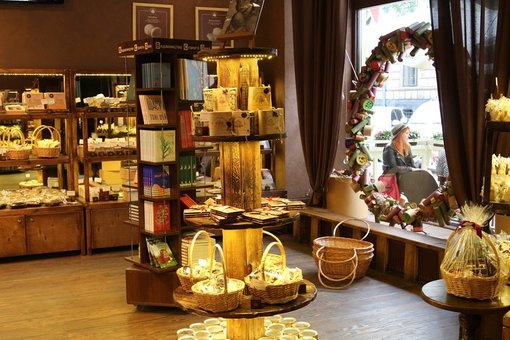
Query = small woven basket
x=44 y=152
x=273 y=293
x=17 y=150
x=188 y=280
x=474 y=287
x=340 y=258
x=220 y=302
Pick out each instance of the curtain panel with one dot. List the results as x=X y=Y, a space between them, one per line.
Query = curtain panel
x=320 y=33
x=464 y=33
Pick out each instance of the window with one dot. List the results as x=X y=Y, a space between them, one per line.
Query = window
x=409 y=76
x=410 y=92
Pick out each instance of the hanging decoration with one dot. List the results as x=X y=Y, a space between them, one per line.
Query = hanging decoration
x=390 y=49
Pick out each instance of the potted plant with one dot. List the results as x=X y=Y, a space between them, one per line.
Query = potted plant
x=381 y=136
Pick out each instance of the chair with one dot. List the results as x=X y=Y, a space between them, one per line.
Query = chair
x=416 y=185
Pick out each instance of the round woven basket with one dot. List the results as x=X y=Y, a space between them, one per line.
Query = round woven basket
x=271 y=293
x=221 y=302
x=474 y=287
x=341 y=259
x=188 y=280
x=44 y=152
x=16 y=149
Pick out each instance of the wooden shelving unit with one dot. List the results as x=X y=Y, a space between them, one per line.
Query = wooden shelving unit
x=104 y=219
x=146 y=284
x=45 y=228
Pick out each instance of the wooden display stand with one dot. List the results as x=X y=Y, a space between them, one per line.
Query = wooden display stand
x=145 y=283
x=240 y=161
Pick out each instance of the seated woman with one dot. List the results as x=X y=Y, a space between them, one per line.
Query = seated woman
x=397 y=155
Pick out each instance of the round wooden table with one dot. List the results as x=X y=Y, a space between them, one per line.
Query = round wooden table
x=477 y=319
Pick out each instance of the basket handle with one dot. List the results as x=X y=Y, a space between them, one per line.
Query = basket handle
x=262 y=266
x=272 y=235
x=54 y=133
x=12 y=131
x=352 y=274
x=213 y=253
x=192 y=245
x=353 y=219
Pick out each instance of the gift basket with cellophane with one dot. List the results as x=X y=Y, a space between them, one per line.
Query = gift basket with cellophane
x=472 y=266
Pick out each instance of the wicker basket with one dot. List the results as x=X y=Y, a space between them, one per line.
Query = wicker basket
x=16 y=150
x=273 y=293
x=221 y=302
x=474 y=287
x=341 y=259
x=44 y=152
x=188 y=280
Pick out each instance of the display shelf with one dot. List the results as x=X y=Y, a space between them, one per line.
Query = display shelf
x=136 y=260
x=217 y=139
x=491 y=129
x=35 y=162
x=240 y=167
x=30 y=115
x=206 y=222
x=157 y=54
x=188 y=303
x=99 y=159
x=105 y=114
x=44 y=228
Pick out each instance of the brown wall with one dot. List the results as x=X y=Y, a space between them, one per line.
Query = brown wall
x=78 y=34
x=83 y=35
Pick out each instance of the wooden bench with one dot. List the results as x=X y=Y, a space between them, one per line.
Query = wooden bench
x=413 y=256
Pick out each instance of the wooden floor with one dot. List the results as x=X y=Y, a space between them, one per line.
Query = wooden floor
x=83 y=297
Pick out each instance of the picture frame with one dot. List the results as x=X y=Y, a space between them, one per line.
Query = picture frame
x=209 y=23
x=152 y=20
x=243 y=17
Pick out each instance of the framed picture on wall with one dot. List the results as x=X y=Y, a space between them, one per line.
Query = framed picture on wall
x=152 y=20
x=243 y=16
x=209 y=23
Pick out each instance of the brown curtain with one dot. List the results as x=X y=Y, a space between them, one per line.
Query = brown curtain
x=502 y=70
x=320 y=33
x=464 y=44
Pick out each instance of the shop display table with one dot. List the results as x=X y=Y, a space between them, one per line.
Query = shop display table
x=243 y=248
x=187 y=302
x=477 y=319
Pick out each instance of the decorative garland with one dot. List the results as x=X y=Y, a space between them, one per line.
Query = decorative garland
x=391 y=48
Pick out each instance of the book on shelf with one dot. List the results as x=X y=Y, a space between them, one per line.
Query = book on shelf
x=156 y=216
x=187 y=201
x=157 y=145
x=153 y=109
x=193 y=77
x=156 y=180
x=160 y=254
x=156 y=75
x=185 y=129
x=188 y=172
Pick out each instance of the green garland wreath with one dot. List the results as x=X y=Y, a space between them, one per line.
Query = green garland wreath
x=373 y=74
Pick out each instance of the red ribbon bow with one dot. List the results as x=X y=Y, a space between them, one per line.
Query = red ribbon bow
x=477 y=228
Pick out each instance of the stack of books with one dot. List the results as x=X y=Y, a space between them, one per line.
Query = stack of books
x=156 y=216
x=222 y=214
x=198 y=210
x=156 y=75
x=200 y=250
x=259 y=217
x=133 y=212
x=193 y=78
x=156 y=180
x=160 y=254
